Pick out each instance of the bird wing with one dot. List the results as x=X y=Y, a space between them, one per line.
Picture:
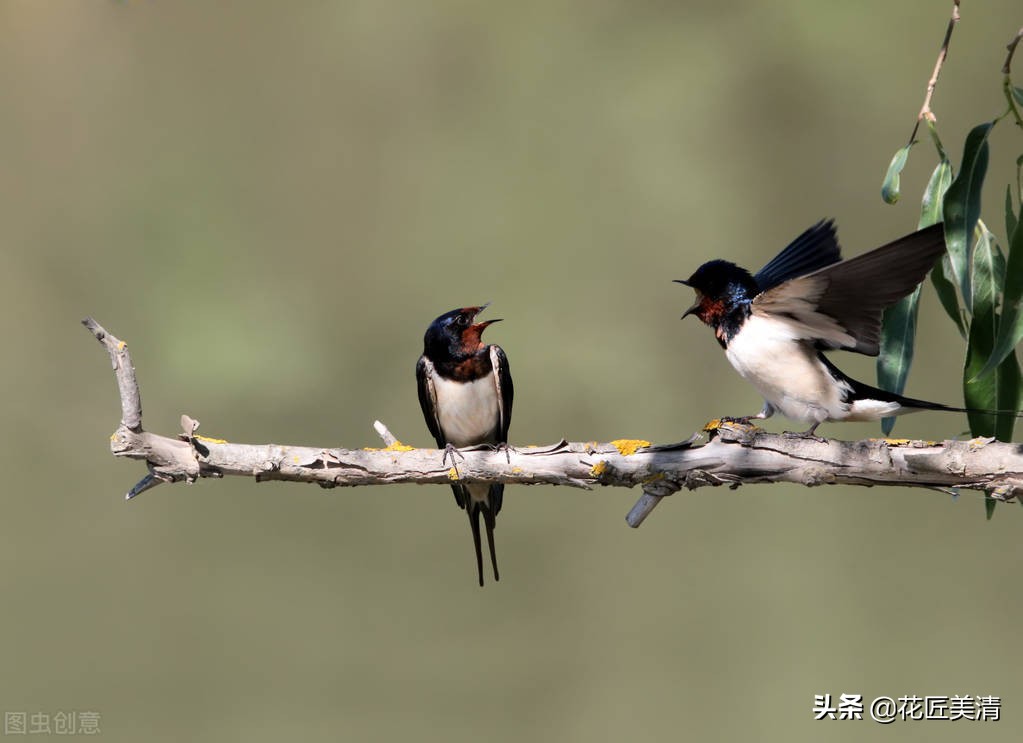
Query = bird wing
x=428 y=399
x=505 y=390
x=814 y=249
x=840 y=306
x=505 y=396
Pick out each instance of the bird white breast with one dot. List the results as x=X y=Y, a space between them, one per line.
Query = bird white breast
x=786 y=371
x=467 y=411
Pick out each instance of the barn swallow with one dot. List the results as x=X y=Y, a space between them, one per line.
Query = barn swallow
x=774 y=326
x=465 y=390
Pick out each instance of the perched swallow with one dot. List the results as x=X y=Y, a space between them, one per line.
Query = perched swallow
x=465 y=390
x=774 y=326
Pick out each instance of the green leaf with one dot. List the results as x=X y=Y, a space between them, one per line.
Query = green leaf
x=1010 y=383
x=998 y=262
x=934 y=195
x=931 y=212
x=962 y=208
x=1010 y=328
x=1010 y=215
x=982 y=394
x=1017 y=93
x=898 y=329
x=1019 y=188
x=898 y=337
x=946 y=292
x=890 y=186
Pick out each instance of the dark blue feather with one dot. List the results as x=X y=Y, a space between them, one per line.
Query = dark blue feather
x=811 y=251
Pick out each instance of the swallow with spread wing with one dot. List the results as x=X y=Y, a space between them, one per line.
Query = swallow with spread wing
x=774 y=326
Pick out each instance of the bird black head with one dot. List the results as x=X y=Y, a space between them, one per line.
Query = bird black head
x=454 y=334
x=723 y=290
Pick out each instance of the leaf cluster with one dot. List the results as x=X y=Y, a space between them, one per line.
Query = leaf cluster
x=978 y=282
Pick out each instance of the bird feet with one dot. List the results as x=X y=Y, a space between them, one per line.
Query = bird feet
x=742 y=420
x=808 y=434
x=452 y=452
x=506 y=448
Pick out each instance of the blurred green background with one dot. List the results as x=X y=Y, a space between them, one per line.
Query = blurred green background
x=271 y=201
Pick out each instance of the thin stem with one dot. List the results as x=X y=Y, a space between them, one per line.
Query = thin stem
x=1007 y=87
x=1011 y=46
x=925 y=109
x=933 y=131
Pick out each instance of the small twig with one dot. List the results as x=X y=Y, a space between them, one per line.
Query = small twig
x=1011 y=46
x=1007 y=86
x=146 y=483
x=643 y=508
x=389 y=438
x=120 y=359
x=925 y=109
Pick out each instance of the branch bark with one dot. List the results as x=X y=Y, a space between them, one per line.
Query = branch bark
x=735 y=455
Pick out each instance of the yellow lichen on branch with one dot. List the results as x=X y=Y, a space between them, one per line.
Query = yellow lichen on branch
x=628 y=447
x=396 y=446
x=208 y=440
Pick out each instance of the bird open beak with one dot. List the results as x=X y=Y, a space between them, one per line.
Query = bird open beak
x=696 y=305
x=483 y=325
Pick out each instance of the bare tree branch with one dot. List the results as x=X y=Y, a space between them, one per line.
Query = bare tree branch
x=735 y=455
